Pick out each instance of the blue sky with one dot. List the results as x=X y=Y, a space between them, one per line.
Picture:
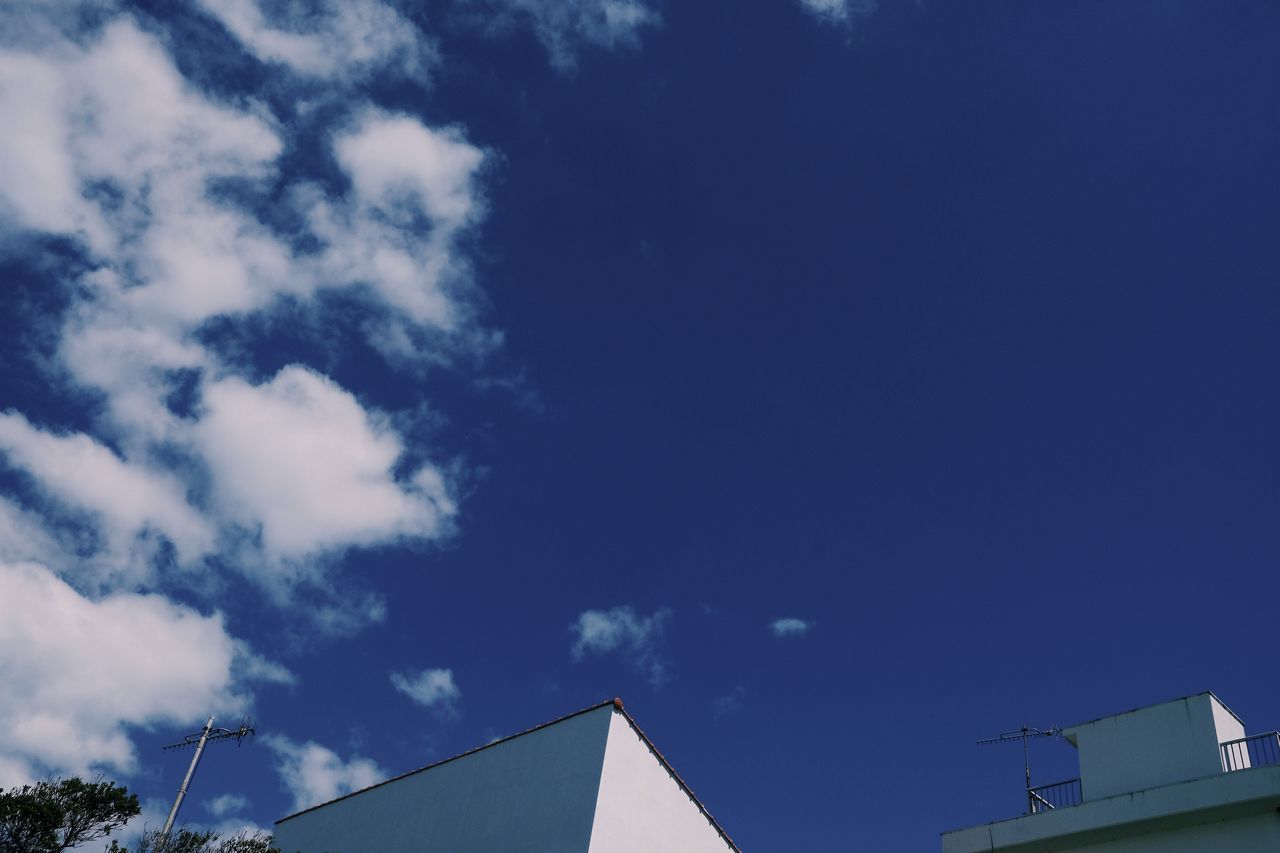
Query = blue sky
x=837 y=384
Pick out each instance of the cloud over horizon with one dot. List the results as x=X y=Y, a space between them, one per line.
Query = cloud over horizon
x=313 y=773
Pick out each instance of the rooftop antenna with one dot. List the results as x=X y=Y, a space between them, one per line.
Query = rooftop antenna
x=1025 y=734
x=198 y=740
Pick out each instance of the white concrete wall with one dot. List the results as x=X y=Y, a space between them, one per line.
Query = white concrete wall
x=1227 y=724
x=641 y=807
x=1158 y=745
x=532 y=794
x=1230 y=728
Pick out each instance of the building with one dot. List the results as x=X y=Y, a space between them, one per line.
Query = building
x=1177 y=777
x=590 y=782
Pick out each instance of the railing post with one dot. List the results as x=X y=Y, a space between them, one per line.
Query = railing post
x=1255 y=751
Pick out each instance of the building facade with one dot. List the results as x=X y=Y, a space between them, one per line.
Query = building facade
x=590 y=782
x=1177 y=777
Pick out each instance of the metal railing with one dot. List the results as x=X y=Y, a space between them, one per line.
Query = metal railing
x=1254 y=751
x=1059 y=795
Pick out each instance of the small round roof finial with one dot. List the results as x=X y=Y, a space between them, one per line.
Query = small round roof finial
x=617 y=703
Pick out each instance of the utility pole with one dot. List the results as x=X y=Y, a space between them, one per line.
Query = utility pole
x=199 y=740
x=186 y=783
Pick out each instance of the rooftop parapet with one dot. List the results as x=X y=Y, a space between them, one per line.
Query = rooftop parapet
x=1158 y=745
x=1151 y=772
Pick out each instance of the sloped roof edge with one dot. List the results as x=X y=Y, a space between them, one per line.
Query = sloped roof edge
x=435 y=764
x=617 y=706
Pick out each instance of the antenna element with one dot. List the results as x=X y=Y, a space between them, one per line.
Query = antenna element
x=199 y=740
x=1025 y=734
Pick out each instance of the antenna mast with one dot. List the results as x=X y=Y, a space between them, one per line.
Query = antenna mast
x=199 y=739
x=1025 y=734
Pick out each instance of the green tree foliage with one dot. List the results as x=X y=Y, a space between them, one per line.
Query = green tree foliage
x=59 y=814
x=189 y=841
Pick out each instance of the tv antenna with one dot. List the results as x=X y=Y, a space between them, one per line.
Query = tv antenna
x=199 y=740
x=1025 y=734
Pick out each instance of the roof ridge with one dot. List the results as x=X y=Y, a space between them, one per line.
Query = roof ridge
x=617 y=703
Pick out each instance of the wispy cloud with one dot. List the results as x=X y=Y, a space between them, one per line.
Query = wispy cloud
x=622 y=630
x=839 y=10
x=126 y=499
x=314 y=774
x=431 y=688
x=226 y=804
x=565 y=26
x=729 y=703
x=333 y=39
x=790 y=627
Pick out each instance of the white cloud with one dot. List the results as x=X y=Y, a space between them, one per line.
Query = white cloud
x=392 y=157
x=78 y=672
x=171 y=199
x=789 y=627
x=116 y=150
x=333 y=39
x=39 y=186
x=839 y=10
x=413 y=191
x=563 y=25
x=300 y=457
x=130 y=150
x=431 y=688
x=621 y=629
x=14 y=773
x=314 y=774
x=226 y=804
x=24 y=538
x=131 y=363
x=116 y=111
x=80 y=472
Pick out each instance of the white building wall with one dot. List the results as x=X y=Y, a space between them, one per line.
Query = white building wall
x=1158 y=745
x=641 y=807
x=535 y=793
x=1230 y=728
x=1228 y=725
